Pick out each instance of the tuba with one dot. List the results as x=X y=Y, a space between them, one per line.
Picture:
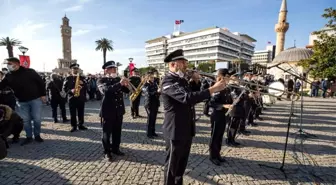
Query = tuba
x=137 y=91
x=77 y=86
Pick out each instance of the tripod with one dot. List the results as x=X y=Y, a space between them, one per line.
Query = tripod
x=281 y=168
x=301 y=131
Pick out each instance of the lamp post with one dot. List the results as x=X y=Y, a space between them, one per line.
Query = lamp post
x=210 y=69
x=23 y=50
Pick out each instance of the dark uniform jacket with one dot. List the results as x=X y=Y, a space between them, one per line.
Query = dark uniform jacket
x=218 y=99
x=69 y=84
x=178 y=102
x=135 y=80
x=150 y=90
x=195 y=86
x=157 y=81
x=238 y=110
x=113 y=102
x=54 y=87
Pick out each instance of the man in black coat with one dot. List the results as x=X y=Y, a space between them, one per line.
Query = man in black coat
x=29 y=89
x=135 y=80
x=76 y=104
x=112 y=108
x=179 y=124
x=57 y=97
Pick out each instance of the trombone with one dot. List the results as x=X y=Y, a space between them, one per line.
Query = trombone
x=275 y=89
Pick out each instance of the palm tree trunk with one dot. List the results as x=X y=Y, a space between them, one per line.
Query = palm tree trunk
x=104 y=55
x=10 y=51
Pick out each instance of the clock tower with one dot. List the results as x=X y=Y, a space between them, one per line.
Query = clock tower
x=66 y=61
x=66 y=38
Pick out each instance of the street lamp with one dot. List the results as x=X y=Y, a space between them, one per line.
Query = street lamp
x=130 y=59
x=23 y=50
x=210 y=69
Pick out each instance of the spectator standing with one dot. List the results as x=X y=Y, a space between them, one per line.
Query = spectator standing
x=29 y=90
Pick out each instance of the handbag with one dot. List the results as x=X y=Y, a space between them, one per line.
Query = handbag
x=61 y=93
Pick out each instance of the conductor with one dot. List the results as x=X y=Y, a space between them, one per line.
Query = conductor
x=179 y=124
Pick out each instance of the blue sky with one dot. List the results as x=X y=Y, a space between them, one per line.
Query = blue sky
x=129 y=23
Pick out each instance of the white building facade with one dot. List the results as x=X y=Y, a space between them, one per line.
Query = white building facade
x=313 y=37
x=263 y=57
x=212 y=44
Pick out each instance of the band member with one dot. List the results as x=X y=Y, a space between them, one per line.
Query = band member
x=10 y=123
x=179 y=124
x=220 y=102
x=135 y=80
x=257 y=97
x=152 y=103
x=112 y=108
x=237 y=113
x=195 y=82
x=206 y=83
x=54 y=87
x=76 y=104
x=156 y=78
x=250 y=104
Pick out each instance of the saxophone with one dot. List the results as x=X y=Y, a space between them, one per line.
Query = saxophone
x=138 y=90
x=77 y=86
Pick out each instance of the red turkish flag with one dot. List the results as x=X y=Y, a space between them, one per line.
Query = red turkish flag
x=24 y=61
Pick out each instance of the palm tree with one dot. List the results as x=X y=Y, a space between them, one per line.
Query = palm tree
x=9 y=43
x=104 y=45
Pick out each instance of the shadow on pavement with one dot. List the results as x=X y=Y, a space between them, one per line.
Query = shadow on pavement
x=28 y=174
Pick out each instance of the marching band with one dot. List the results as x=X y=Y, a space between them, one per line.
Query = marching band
x=230 y=102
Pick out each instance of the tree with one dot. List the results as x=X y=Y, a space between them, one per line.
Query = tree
x=323 y=62
x=9 y=43
x=104 y=45
x=191 y=66
x=206 y=67
x=144 y=70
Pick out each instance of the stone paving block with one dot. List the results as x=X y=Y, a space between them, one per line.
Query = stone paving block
x=77 y=158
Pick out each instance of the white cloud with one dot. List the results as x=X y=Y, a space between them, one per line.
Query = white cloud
x=124 y=31
x=86 y=28
x=74 y=8
x=80 y=32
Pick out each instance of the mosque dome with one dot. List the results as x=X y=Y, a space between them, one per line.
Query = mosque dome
x=293 y=55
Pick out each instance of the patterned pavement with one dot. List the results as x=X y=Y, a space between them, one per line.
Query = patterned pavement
x=77 y=158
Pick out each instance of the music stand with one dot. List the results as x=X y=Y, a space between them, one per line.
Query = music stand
x=282 y=167
x=303 y=79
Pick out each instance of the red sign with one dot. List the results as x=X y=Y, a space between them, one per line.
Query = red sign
x=24 y=61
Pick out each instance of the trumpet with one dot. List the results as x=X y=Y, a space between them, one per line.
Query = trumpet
x=130 y=86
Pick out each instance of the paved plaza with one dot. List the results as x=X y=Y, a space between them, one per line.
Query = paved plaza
x=77 y=158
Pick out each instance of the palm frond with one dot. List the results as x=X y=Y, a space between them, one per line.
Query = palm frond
x=6 y=41
x=104 y=43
